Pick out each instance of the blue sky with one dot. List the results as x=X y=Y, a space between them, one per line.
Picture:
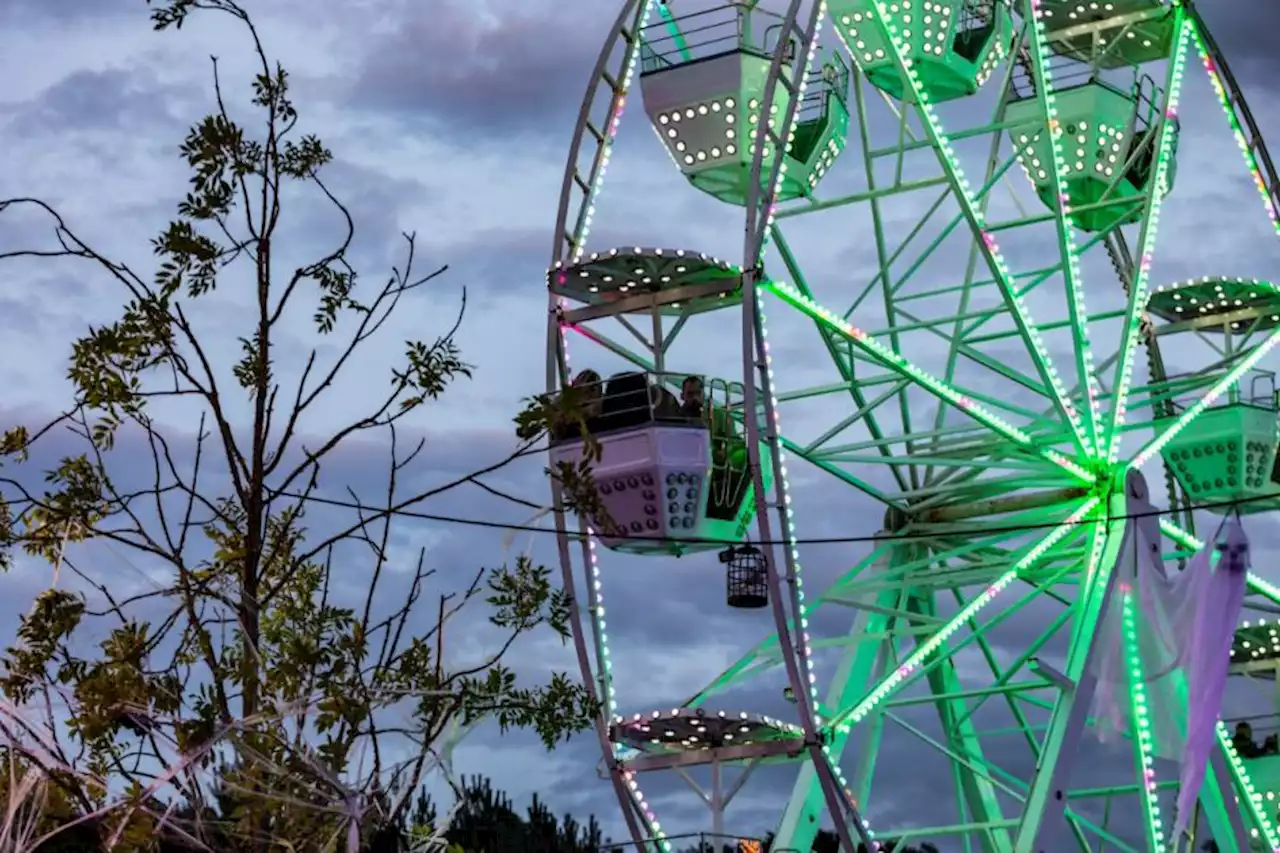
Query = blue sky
x=452 y=119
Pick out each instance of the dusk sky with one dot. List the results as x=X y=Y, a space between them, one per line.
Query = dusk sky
x=452 y=119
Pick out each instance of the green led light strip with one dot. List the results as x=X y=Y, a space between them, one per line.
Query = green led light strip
x=1138 y=712
x=989 y=247
x=1251 y=795
x=595 y=592
x=804 y=652
x=785 y=511
x=1066 y=228
x=1159 y=189
x=900 y=364
x=845 y=722
x=1224 y=100
x=1153 y=447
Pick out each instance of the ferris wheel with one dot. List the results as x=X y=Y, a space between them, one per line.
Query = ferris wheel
x=1006 y=382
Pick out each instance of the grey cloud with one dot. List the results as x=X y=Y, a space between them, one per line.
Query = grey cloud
x=377 y=203
x=468 y=72
x=108 y=100
x=1245 y=34
x=525 y=72
x=29 y=12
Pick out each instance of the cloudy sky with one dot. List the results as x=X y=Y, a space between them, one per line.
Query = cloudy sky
x=452 y=120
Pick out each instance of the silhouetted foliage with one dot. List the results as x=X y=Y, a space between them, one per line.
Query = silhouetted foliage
x=242 y=684
x=488 y=821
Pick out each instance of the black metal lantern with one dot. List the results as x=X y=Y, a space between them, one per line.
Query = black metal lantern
x=746 y=577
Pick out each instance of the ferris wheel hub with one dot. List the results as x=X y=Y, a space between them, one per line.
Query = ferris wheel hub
x=1136 y=485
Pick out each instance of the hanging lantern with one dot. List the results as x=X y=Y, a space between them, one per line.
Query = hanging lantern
x=746 y=577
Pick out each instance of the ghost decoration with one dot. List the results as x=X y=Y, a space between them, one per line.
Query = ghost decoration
x=1184 y=627
x=1208 y=656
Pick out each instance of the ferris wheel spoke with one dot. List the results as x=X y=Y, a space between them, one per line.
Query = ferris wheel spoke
x=864 y=592
x=853 y=713
x=851 y=588
x=829 y=466
x=1152 y=448
x=987 y=243
x=1247 y=133
x=866 y=408
x=903 y=367
x=1066 y=230
x=972 y=354
x=964 y=463
x=858 y=676
x=1147 y=233
x=897 y=297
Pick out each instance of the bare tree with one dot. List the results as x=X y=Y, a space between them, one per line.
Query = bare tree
x=242 y=705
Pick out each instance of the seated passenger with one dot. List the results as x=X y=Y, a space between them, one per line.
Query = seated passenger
x=626 y=401
x=691 y=397
x=664 y=403
x=729 y=480
x=588 y=381
x=1242 y=740
x=581 y=407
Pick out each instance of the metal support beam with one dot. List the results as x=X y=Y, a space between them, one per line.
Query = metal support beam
x=1000 y=506
x=1044 y=815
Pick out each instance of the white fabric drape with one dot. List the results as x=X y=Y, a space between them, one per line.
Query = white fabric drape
x=1178 y=641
